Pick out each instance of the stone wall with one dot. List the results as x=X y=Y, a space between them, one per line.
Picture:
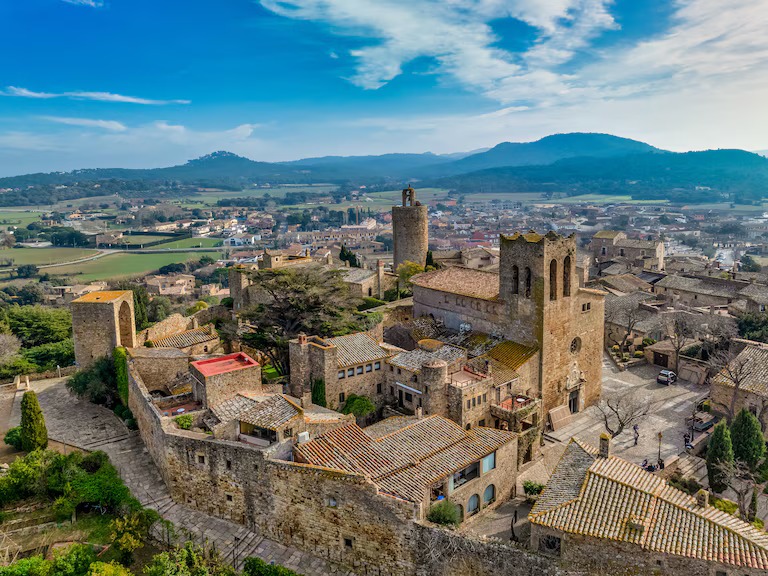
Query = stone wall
x=174 y=324
x=159 y=366
x=410 y=234
x=455 y=310
x=98 y=327
x=217 y=388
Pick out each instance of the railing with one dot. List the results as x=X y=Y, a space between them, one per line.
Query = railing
x=513 y=406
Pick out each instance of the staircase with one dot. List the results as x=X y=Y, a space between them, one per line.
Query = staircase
x=690 y=466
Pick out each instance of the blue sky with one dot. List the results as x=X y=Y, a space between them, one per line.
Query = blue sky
x=140 y=83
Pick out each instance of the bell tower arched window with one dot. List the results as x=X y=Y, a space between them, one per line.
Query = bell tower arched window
x=553 y=280
x=567 y=276
x=527 y=282
x=515 y=280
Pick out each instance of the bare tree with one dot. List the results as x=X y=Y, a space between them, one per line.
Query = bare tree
x=621 y=409
x=681 y=329
x=734 y=370
x=626 y=318
x=740 y=478
x=9 y=347
x=717 y=332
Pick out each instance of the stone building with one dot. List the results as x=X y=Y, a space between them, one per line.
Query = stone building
x=743 y=383
x=535 y=301
x=410 y=230
x=602 y=513
x=170 y=284
x=608 y=245
x=101 y=321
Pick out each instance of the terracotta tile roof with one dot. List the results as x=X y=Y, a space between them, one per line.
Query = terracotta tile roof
x=103 y=296
x=756 y=292
x=462 y=281
x=625 y=283
x=413 y=360
x=710 y=287
x=608 y=234
x=404 y=463
x=614 y=499
x=188 y=338
x=357 y=348
x=750 y=368
x=512 y=354
x=631 y=243
x=269 y=412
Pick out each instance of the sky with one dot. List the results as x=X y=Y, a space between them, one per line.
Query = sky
x=148 y=83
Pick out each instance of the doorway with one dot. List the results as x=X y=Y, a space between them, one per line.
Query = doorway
x=573 y=401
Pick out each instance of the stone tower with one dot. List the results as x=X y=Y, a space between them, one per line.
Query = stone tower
x=101 y=321
x=548 y=310
x=410 y=230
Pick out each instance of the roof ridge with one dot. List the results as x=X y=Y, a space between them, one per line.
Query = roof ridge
x=409 y=426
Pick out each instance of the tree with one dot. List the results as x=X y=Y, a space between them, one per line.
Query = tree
x=159 y=308
x=187 y=561
x=431 y=259
x=406 y=271
x=754 y=327
x=681 y=328
x=110 y=569
x=26 y=271
x=719 y=452
x=749 y=264
x=735 y=370
x=360 y=406
x=620 y=410
x=9 y=347
x=747 y=438
x=627 y=316
x=7 y=240
x=309 y=300
x=129 y=533
x=36 y=325
x=98 y=383
x=197 y=307
x=34 y=434
x=739 y=477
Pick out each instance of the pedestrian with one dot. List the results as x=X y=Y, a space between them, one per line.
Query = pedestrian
x=636 y=430
x=513 y=537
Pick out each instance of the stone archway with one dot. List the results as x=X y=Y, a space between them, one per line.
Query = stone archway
x=126 y=329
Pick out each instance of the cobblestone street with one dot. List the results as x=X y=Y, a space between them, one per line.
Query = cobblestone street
x=80 y=424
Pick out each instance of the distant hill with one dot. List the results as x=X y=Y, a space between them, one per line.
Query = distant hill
x=541 y=152
x=387 y=166
x=686 y=177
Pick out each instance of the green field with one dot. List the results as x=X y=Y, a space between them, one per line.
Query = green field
x=190 y=243
x=144 y=238
x=123 y=265
x=212 y=196
x=43 y=256
x=18 y=218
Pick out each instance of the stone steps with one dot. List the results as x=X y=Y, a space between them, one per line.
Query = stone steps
x=103 y=442
x=692 y=467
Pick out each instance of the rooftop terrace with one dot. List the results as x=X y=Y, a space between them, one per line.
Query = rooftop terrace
x=224 y=364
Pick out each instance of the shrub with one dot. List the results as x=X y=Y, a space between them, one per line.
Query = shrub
x=706 y=406
x=719 y=450
x=257 y=567
x=648 y=341
x=184 y=421
x=48 y=356
x=369 y=303
x=97 y=383
x=13 y=437
x=120 y=357
x=532 y=488
x=638 y=354
x=445 y=513
x=615 y=348
x=360 y=406
x=149 y=344
x=63 y=508
x=34 y=434
x=228 y=302
x=131 y=424
x=687 y=485
x=724 y=505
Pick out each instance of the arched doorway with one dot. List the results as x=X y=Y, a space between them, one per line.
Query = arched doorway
x=126 y=328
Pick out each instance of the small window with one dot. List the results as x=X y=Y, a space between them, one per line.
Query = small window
x=485 y=398
x=378 y=388
x=426 y=389
x=489 y=462
x=408 y=397
x=399 y=371
x=341 y=397
x=229 y=464
x=288 y=433
x=369 y=367
x=341 y=374
x=359 y=369
x=469 y=404
x=377 y=366
x=414 y=378
x=474 y=402
x=351 y=372
x=469 y=426
x=481 y=423
x=473 y=506
x=348 y=542
x=200 y=459
x=332 y=502
x=229 y=498
x=391 y=368
x=392 y=390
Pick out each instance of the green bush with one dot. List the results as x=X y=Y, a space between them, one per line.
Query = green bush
x=34 y=434
x=360 y=406
x=120 y=357
x=369 y=303
x=687 y=485
x=445 y=513
x=184 y=421
x=706 y=406
x=318 y=392
x=13 y=437
x=724 y=505
x=98 y=383
x=532 y=488
x=638 y=354
x=149 y=344
x=648 y=341
x=63 y=508
x=257 y=567
x=49 y=356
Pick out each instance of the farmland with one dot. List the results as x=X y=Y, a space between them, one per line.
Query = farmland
x=44 y=256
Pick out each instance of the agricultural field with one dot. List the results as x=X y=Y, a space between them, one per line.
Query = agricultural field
x=208 y=197
x=123 y=265
x=190 y=243
x=19 y=218
x=45 y=256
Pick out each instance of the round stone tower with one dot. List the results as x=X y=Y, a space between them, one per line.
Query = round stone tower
x=410 y=230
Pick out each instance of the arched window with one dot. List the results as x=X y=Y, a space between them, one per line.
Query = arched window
x=527 y=282
x=567 y=276
x=490 y=494
x=370 y=292
x=473 y=506
x=553 y=280
x=515 y=280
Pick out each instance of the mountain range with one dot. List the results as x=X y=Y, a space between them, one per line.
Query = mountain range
x=574 y=163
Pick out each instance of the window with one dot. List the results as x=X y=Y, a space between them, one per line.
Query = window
x=351 y=372
x=229 y=464
x=391 y=368
x=369 y=367
x=348 y=542
x=414 y=378
x=341 y=397
x=575 y=345
x=762 y=307
x=469 y=426
x=359 y=369
x=567 y=276
x=288 y=433
x=332 y=502
x=399 y=371
x=489 y=462
x=481 y=423
x=200 y=459
x=553 y=280
x=549 y=545
x=621 y=251
x=392 y=390
x=603 y=251
x=341 y=374
x=515 y=280
x=474 y=402
x=473 y=506
x=377 y=366
x=408 y=397
x=378 y=388
x=426 y=389
x=586 y=307
x=229 y=498
x=489 y=494
x=527 y=282
x=469 y=404
x=469 y=473
x=485 y=398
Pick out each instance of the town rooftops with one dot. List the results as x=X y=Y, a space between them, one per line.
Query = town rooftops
x=413 y=360
x=705 y=286
x=406 y=462
x=749 y=368
x=625 y=283
x=188 y=338
x=224 y=364
x=357 y=348
x=356 y=275
x=607 y=234
x=103 y=296
x=461 y=281
x=632 y=243
x=268 y=412
x=758 y=293
x=616 y=500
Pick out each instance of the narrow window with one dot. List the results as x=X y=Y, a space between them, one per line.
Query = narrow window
x=515 y=280
x=481 y=423
x=201 y=459
x=369 y=367
x=229 y=498
x=567 y=276
x=553 y=280
x=229 y=464
x=378 y=388
x=469 y=404
x=527 y=282
x=377 y=366
x=341 y=397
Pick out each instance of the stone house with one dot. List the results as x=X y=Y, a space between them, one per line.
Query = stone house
x=367 y=283
x=699 y=291
x=633 y=315
x=170 y=285
x=423 y=461
x=535 y=300
x=610 y=244
x=743 y=383
x=600 y=512
x=195 y=341
x=756 y=298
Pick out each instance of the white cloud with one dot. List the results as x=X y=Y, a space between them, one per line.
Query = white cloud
x=83 y=95
x=91 y=3
x=111 y=125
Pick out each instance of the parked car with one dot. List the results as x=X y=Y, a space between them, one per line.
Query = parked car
x=666 y=377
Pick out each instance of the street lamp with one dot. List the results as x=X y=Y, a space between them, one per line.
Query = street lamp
x=660 y=437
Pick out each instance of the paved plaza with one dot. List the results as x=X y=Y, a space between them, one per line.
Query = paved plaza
x=81 y=424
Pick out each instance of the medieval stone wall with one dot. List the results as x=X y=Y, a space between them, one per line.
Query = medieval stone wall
x=410 y=234
x=455 y=311
x=174 y=324
x=220 y=387
x=99 y=327
x=159 y=366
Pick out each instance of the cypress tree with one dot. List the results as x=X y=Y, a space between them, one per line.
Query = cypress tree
x=34 y=434
x=752 y=514
x=747 y=438
x=430 y=259
x=719 y=450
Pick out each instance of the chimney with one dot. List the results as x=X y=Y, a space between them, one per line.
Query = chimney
x=605 y=445
x=302 y=339
x=419 y=413
x=702 y=498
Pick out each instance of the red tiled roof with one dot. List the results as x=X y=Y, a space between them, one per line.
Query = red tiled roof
x=223 y=364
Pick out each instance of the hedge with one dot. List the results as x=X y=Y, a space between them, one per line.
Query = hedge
x=120 y=357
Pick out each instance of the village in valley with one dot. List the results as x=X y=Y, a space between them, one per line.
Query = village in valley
x=449 y=386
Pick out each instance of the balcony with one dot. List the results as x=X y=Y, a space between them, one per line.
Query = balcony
x=515 y=407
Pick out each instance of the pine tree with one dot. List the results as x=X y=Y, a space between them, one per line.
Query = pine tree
x=747 y=438
x=34 y=434
x=719 y=450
